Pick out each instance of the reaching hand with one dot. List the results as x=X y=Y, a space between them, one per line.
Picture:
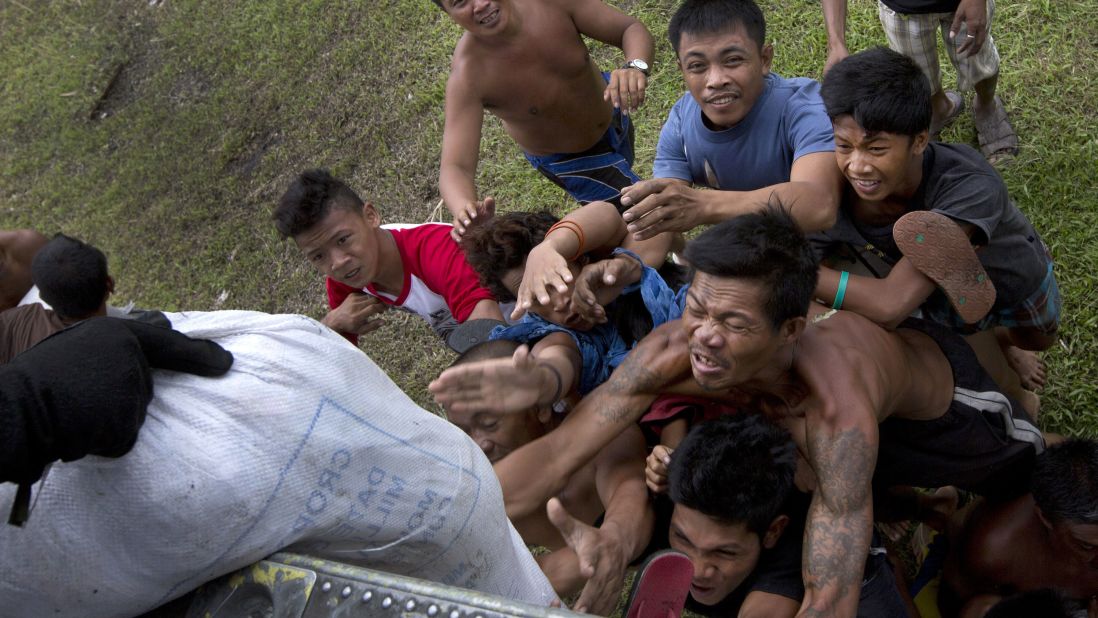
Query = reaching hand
x=973 y=14
x=626 y=89
x=356 y=315
x=85 y=390
x=545 y=270
x=661 y=205
x=601 y=282
x=467 y=215
x=601 y=556
x=655 y=468
x=501 y=385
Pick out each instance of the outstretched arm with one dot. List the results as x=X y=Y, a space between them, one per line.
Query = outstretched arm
x=658 y=360
x=605 y=23
x=835 y=21
x=461 y=151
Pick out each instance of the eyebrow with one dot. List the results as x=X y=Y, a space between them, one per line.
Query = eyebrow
x=720 y=316
x=726 y=50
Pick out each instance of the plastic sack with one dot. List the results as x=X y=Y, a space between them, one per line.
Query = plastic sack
x=305 y=444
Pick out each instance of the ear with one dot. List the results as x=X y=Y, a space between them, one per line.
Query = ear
x=767 y=56
x=544 y=414
x=110 y=286
x=919 y=143
x=1041 y=516
x=774 y=531
x=370 y=214
x=792 y=329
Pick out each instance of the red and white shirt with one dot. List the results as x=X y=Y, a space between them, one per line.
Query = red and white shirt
x=439 y=284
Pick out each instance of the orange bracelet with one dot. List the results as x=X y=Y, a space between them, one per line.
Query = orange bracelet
x=573 y=227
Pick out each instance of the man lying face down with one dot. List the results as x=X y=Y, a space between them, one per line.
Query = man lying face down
x=602 y=520
x=304 y=444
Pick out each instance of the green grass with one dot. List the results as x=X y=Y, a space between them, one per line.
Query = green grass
x=164 y=134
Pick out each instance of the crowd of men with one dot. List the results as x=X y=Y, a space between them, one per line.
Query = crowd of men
x=852 y=342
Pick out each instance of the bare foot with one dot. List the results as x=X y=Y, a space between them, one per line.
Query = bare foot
x=1029 y=367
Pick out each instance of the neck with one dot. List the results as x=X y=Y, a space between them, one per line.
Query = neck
x=391 y=274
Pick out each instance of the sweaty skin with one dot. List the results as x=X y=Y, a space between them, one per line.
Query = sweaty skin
x=525 y=62
x=830 y=385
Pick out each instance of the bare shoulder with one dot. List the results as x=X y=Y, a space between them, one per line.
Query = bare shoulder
x=841 y=353
x=991 y=541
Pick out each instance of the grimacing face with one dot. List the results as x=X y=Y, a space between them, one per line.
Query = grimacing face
x=725 y=72
x=479 y=17
x=731 y=339
x=723 y=554
x=878 y=165
x=344 y=245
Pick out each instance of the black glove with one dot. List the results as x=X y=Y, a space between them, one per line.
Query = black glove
x=84 y=390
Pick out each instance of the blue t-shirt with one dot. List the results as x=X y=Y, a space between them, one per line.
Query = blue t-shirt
x=787 y=121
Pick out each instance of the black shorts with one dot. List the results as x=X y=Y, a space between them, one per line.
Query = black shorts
x=984 y=443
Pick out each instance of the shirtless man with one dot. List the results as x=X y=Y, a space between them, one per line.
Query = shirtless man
x=611 y=490
x=1045 y=539
x=843 y=387
x=525 y=61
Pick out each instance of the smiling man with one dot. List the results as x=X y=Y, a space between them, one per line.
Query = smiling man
x=740 y=129
x=368 y=268
x=843 y=387
x=525 y=62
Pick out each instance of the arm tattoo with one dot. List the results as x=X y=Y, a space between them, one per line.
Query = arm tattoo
x=630 y=379
x=840 y=518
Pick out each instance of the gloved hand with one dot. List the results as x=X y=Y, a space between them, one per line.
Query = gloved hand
x=85 y=390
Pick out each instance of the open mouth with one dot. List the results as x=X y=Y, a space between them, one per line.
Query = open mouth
x=866 y=186
x=490 y=18
x=705 y=363
x=349 y=277
x=722 y=100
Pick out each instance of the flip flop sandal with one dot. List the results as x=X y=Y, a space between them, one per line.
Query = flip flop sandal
x=939 y=249
x=958 y=106
x=659 y=590
x=998 y=141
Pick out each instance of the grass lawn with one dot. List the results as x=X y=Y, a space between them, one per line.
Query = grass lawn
x=163 y=131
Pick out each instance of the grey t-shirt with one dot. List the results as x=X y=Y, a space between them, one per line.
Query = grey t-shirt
x=959 y=183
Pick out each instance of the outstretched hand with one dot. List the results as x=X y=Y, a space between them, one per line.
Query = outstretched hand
x=601 y=282
x=661 y=205
x=601 y=556
x=499 y=385
x=469 y=213
x=626 y=89
x=545 y=270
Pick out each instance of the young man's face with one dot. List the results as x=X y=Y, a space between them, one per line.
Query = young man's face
x=344 y=245
x=566 y=316
x=498 y=435
x=478 y=16
x=723 y=554
x=17 y=251
x=731 y=338
x=725 y=73
x=878 y=165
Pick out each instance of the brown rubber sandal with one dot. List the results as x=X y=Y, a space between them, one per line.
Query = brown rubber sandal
x=940 y=249
x=998 y=141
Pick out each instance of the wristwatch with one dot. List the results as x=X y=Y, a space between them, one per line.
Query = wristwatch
x=638 y=64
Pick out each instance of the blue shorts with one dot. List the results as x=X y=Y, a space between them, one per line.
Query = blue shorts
x=598 y=173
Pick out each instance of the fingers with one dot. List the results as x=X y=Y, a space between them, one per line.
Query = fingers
x=488 y=206
x=463 y=218
x=655 y=469
x=563 y=521
x=974 y=19
x=626 y=89
x=633 y=194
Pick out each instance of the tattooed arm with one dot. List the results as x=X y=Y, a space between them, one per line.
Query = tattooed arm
x=842 y=448
x=601 y=416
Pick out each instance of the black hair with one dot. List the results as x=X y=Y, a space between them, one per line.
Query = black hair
x=310 y=197
x=766 y=246
x=488 y=350
x=71 y=276
x=881 y=89
x=735 y=469
x=438 y=3
x=1043 y=602
x=1065 y=482
x=713 y=16
x=502 y=243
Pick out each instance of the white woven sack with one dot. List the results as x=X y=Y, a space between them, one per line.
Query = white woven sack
x=304 y=444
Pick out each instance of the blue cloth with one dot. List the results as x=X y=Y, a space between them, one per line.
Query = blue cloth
x=598 y=173
x=602 y=349
x=786 y=122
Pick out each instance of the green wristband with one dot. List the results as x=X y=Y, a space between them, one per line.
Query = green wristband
x=840 y=294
